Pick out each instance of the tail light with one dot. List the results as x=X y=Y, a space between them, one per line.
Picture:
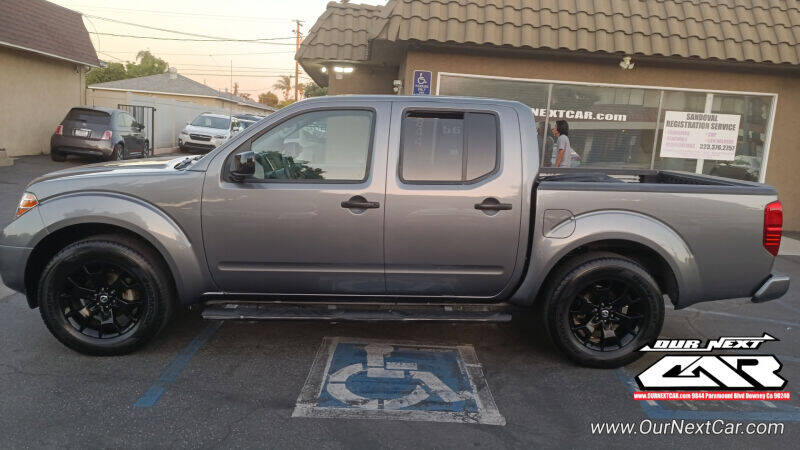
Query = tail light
x=26 y=203
x=107 y=135
x=60 y=130
x=773 y=227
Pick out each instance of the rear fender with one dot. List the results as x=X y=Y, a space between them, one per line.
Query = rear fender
x=610 y=225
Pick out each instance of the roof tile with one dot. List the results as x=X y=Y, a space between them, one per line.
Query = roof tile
x=763 y=31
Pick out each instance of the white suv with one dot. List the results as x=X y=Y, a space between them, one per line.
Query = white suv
x=208 y=131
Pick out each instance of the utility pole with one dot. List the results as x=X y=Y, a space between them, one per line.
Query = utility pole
x=297 y=64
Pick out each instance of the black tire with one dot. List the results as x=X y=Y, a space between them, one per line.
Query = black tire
x=586 y=286
x=57 y=156
x=75 y=321
x=146 y=150
x=118 y=154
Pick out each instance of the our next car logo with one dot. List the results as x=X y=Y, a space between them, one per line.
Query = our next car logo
x=744 y=376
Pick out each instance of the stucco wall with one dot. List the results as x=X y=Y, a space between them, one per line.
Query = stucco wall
x=35 y=94
x=784 y=158
x=363 y=80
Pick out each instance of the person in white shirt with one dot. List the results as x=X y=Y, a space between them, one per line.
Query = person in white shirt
x=563 y=153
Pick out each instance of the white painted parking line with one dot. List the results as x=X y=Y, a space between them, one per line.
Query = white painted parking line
x=369 y=379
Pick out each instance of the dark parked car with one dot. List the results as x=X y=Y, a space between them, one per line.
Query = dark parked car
x=104 y=132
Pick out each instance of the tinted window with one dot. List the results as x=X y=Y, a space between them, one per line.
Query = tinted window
x=222 y=123
x=89 y=116
x=448 y=147
x=320 y=145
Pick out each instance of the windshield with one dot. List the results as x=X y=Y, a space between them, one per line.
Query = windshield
x=222 y=123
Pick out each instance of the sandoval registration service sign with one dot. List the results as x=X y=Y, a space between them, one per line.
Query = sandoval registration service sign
x=700 y=135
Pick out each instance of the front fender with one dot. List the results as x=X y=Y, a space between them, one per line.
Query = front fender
x=611 y=225
x=183 y=257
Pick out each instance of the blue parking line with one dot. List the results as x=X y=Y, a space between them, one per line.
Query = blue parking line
x=656 y=410
x=154 y=393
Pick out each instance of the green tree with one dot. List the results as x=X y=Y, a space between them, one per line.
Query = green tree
x=268 y=98
x=314 y=90
x=146 y=64
x=113 y=72
x=284 y=84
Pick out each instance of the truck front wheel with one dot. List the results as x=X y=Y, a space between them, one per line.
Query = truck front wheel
x=601 y=308
x=105 y=295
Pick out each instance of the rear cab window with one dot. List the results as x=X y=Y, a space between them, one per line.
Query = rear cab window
x=448 y=147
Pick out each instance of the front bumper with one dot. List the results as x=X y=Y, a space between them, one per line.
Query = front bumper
x=185 y=141
x=13 y=261
x=774 y=287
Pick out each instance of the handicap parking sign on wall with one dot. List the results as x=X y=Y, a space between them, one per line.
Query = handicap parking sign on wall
x=422 y=82
x=359 y=378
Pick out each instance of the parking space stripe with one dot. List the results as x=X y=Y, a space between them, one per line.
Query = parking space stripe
x=154 y=393
x=738 y=316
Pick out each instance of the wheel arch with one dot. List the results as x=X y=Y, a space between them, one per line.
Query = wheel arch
x=70 y=218
x=646 y=240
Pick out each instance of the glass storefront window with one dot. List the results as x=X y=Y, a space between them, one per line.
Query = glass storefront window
x=754 y=112
x=608 y=127
x=684 y=102
x=621 y=127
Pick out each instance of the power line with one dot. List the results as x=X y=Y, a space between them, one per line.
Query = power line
x=240 y=67
x=207 y=54
x=238 y=75
x=157 y=38
x=172 y=31
x=184 y=14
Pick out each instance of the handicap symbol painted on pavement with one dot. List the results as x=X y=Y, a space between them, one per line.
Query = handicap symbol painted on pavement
x=357 y=378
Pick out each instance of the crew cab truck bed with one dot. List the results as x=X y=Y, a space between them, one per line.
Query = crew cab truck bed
x=390 y=206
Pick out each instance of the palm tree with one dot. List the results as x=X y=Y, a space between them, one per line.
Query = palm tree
x=284 y=84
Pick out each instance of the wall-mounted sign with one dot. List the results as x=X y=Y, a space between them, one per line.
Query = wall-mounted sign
x=579 y=114
x=422 y=82
x=700 y=136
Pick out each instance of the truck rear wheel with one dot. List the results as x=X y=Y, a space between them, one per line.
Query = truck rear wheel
x=105 y=295
x=601 y=308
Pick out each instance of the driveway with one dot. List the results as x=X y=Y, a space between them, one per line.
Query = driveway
x=235 y=384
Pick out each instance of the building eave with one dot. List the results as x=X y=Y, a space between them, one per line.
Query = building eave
x=48 y=55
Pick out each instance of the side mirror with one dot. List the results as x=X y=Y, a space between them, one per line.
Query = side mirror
x=244 y=166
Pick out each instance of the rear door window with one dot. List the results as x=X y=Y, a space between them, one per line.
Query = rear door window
x=448 y=147
x=89 y=116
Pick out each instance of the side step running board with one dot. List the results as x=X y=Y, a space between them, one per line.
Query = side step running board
x=345 y=311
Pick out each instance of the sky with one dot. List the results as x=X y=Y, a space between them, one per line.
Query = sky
x=256 y=66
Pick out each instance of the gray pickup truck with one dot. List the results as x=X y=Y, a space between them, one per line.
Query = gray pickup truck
x=386 y=208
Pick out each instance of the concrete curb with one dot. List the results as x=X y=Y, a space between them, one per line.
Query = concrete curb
x=4 y=159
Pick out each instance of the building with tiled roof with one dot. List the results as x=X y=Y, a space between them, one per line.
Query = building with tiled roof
x=611 y=68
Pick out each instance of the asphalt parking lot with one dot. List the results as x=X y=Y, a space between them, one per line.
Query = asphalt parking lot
x=235 y=384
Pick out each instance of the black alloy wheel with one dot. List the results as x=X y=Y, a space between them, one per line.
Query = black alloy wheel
x=106 y=295
x=102 y=300
x=600 y=308
x=607 y=314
